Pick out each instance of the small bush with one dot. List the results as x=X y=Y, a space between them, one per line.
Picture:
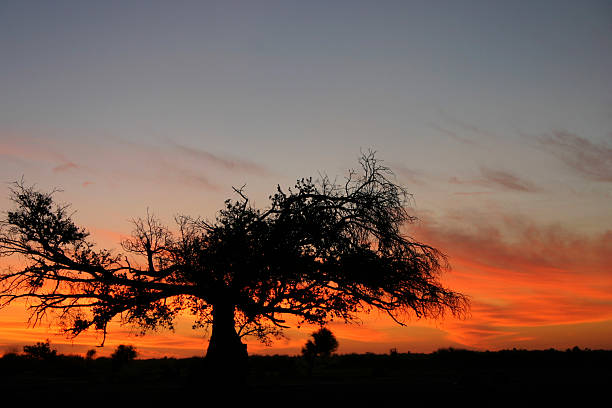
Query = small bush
x=40 y=351
x=10 y=355
x=90 y=354
x=322 y=345
x=123 y=354
x=325 y=342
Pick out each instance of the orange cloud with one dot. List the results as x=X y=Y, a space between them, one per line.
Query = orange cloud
x=520 y=275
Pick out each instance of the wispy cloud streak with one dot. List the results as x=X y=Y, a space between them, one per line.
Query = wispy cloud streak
x=174 y=173
x=66 y=166
x=232 y=164
x=451 y=134
x=35 y=152
x=412 y=176
x=464 y=127
x=590 y=159
x=506 y=180
x=496 y=178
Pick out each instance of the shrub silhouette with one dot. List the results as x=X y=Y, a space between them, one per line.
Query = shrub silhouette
x=90 y=354
x=309 y=352
x=122 y=355
x=322 y=345
x=40 y=351
x=325 y=342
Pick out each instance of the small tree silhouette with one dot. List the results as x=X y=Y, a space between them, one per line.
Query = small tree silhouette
x=90 y=354
x=122 y=355
x=309 y=352
x=323 y=344
x=40 y=351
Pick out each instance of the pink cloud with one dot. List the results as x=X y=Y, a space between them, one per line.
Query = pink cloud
x=25 y=148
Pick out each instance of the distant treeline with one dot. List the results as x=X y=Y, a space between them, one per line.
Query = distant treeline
x=446 y=374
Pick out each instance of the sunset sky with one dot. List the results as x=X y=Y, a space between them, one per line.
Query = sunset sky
x=496 y=116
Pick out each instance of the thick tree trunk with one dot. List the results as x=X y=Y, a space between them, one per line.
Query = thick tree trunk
x=227 y=355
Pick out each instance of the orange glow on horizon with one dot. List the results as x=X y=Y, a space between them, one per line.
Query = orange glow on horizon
x=520 y=296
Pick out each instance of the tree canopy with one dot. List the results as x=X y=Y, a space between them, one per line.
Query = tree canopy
x=323 y=344
x=320 y=250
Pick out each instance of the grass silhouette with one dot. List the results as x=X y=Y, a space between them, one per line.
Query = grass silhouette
x=447 y=374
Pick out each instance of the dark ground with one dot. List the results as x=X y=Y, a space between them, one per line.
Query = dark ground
x=532 y=378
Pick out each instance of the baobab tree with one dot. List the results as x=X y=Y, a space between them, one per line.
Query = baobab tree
x=320 y=251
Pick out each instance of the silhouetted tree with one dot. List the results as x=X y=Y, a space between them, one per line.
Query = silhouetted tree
x=320 y=251
x=40 y=351
x=309 y=351
x=122 y=355
x=323 y=344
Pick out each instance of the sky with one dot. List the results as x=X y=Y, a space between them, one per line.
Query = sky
x=495 y=115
